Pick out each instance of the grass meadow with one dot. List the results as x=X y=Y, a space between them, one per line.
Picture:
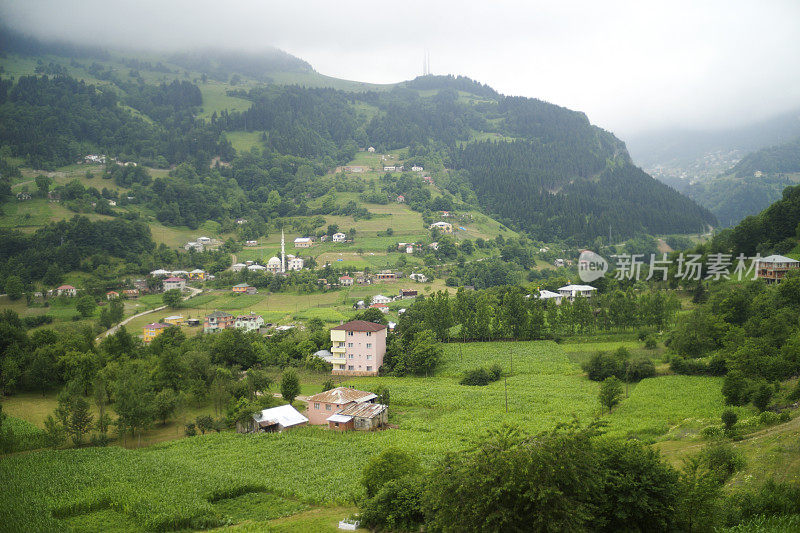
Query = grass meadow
x=308 y=477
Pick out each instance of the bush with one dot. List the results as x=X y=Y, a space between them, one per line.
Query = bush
x=762 y=396
x=398 y=506
x=190 y=430
x=650 y=342
x=603 y=365
x=481 y=376
x=639 y=369
x=723 y=460
x=770 y=499
x=729 y=419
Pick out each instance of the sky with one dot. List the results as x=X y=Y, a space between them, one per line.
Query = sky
x=631 y=66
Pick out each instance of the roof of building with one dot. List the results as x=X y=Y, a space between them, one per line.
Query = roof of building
x=65 y=288
x=345 y=277
x=156 y=325
x=285 y=415
x=239 y=265
x=545 y=294
x=360 y=325
x=342 y=419
x=197 y=271
x=777 y=259
x=303 y=239
x=174 y=317
x=241 y=286
x=577 y=288
x=251 y=316
x=363 y=410
x=173 y=279
x=323 y=353
x=219 y=314
x=342 y=395
x=112 y=292
x=378 y=305
x=273 y=261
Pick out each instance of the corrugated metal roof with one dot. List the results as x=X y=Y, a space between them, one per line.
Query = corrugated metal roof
x=363 y=410
x=339 y=418
x=342 y=395
x=285 y=415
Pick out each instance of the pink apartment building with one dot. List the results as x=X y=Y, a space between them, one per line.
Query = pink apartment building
x=358 y=348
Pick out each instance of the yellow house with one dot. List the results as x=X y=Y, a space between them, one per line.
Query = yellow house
x=197 y=274
x=151 y=331
x=338 y=338
x=174 y=320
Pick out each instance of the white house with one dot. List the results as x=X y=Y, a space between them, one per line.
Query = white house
x=160 y=273
x=417 y=169
x=257 y=268
x=174 y=283
x=238 y=267
x=194 y=245
x=204 y=240
x=421 y=278
x=66 y=290
x=249 y=322
x=294 y=263
x=550 y=295
x=389 y=169
x=381 y=299
x=339 y=237
x=445 y=227
x=302 y=242
x=570 y=292
x=345 y=281
x=251 y=243
x=371 y=149
x=274 y=264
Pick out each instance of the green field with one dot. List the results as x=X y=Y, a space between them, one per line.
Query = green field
x=250 y=480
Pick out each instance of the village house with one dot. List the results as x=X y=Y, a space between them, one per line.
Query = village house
x=273 y=420
x=428 y=180
x=339 y=237
x=173 y=320
x=251 y=243
x=401 y=199
x=444 y=227
x=302 y=242
x=550 y=295
x=258 y=268
x=174 y=283
x=218 y=320
x=389 y=169
x=386 y=275
x=66 y=290
x=407 y=293
x=244 y=288
x=570 y=292
x=410 y=249
x=344 y=409
x=193 y=245
x=161 y=273
x=294 y=263
x=371 y=149
x=241 y=221
x=112 y=203
x=180 y=274
x=381 y=299
x=151 y=331
x=420 y=278
x=416 y=169
x=197 y=274
x=23 y=196
x=112 y=295
x=360 y=305
x=238 y=267
x=205 y=241
x=131 y=293
x=345 y=281
x=249 y=322
x=383 y=308
x=359 y=347
x=773 y=268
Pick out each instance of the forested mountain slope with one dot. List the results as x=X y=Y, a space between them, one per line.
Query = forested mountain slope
x=537 y=166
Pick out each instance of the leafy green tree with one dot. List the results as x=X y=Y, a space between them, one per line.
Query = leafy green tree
x=43 y=184
x=85 y=305
x=164 y=404
x=700 y=493
x=80 y=420
x=55 y=432
x=204 y=423
x=14 y=287
x=610 y=392
x=134 y=398
x=762 y=396
x=729 y=419
x=328 y=384
x=172 y=298
x=290 y=385
x=7 y=438
x=422 y=357
x=390 y=464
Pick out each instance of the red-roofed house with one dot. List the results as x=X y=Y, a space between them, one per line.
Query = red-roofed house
x=344 y=408
x=66 y=290
x=345 y=281
x=358 y=348
x=112 y=295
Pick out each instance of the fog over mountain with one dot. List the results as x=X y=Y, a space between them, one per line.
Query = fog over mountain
x=631 y=66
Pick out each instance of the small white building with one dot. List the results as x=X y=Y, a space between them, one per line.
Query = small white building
x=420 y=278
x=570 y=292
x=257 y=268
x=345 y=281
x=371 y=149
x=339 y=237
x=174 y=283
x=389 y=169
x=302 y=242
x=417 y=169
x=238 y=267
x=160 y=273
x=381 y=299
x=205 y=241
x=180 y=273
x=194 y=245
x=444 y=227
x=550 y=295
x=274 y=420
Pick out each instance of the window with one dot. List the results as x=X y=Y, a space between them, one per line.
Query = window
x=350 y=367
x=369 y=369
x=368 y=356
x=349 y=333
x=350 y=355
x=369 y=334
x=369 y=345
x=349 y=344
x=327 y=407
x=316 y=406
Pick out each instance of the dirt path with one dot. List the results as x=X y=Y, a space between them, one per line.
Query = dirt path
x=194 y=292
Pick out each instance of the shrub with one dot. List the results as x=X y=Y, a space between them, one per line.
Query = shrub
x=603 y=365
x=639 y=369
x=190 y=430
x=729 y=419
x=650 y=342
x=722 y=459
x=762 y=396
x=481 y=376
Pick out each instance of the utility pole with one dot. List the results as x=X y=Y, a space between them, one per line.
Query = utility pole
x=505 y=385
x=511 y=353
